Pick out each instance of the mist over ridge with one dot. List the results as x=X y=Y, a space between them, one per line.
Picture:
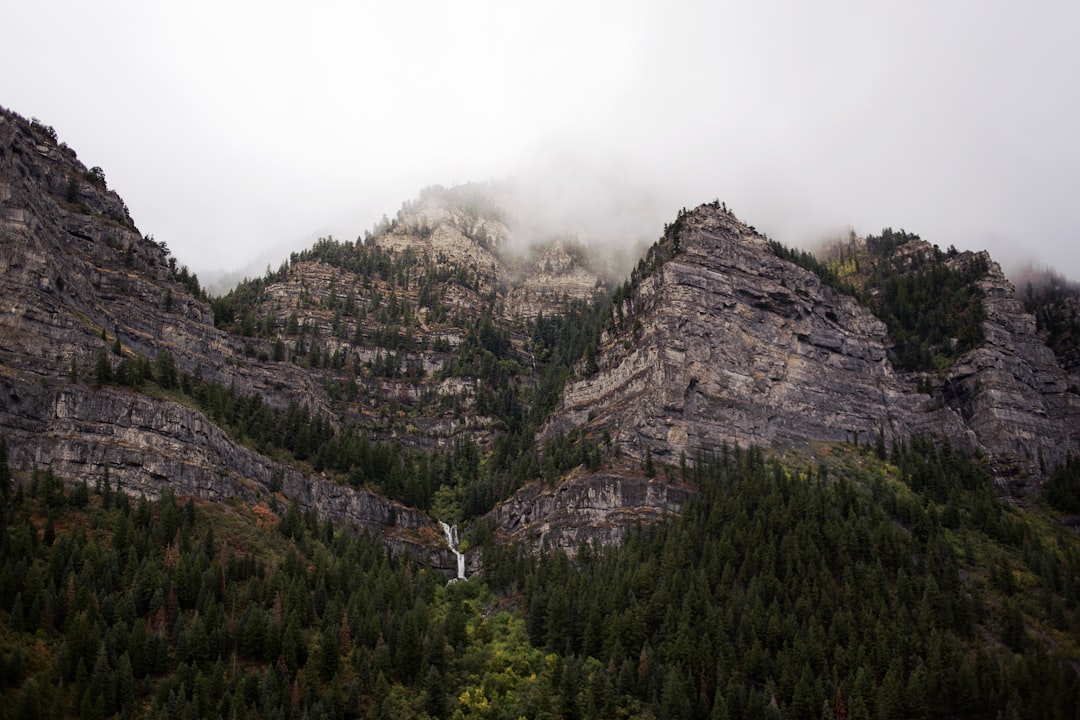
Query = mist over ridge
x=613 y=210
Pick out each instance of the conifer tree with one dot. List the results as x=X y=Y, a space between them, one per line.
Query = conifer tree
x=102 y=370
x=5 y=470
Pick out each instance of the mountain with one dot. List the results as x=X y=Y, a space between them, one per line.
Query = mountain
x=92 y=312
x=366 y=377
x=716 y=339
x=742 y=481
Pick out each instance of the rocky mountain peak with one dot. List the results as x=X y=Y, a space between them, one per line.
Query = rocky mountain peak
x=444 y=365
x=719 y=340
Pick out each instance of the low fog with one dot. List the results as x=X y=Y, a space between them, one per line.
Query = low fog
x=239 y=132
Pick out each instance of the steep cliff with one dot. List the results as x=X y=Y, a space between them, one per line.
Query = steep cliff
x=383 y=381
x=588 y=507
x=719 y=340
x=1013 y=394
x=724 y=342
x=78 y=284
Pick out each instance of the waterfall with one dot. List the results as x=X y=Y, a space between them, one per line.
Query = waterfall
x=450 y=531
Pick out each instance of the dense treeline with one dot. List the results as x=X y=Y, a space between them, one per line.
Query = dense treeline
x=933 y=309
x=853 y=587
x=779 y=592
x=557 y=345
x=110 y=607
x=1062 y=487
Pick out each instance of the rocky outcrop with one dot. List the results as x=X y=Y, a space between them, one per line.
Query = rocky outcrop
x=1020 y=404
x=587 y=508
x=551 y=275
x=725 y=342
x=149 y=445
x=76 y=277
x=463 y=227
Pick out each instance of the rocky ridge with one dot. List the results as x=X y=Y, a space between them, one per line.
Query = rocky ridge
x=416 y=334
x=726 y=343
x=77 y=279
x=81 y=283
x=588 y=508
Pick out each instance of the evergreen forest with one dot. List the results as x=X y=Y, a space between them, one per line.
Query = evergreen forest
x=846 y=581
x=929 y=300
x=842 y=580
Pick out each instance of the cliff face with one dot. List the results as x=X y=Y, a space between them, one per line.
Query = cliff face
x=725 y=342
x=1013 y=394
x=586 y=508
x=78 y=282
x=423 y=335
x=551 y=275
x=76 y=277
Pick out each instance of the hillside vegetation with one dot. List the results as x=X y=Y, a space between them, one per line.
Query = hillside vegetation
x=929 y=299
x=851 y=582
x=422 y=374
x=1055 y=303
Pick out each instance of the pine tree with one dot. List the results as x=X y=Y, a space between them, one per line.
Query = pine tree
x=5 y=470
x=125 y=683
x=434 y=693
x=106 y=488
x=674 y=695
x=102 y=682
x=102 y=370
x=165 y=369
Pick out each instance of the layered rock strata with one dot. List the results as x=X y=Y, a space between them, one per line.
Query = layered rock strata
x=588 y=508
x=727 y=343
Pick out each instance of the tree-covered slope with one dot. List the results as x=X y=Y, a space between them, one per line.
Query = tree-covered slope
x=893 y=589
x=930 y=300
x=888 y=588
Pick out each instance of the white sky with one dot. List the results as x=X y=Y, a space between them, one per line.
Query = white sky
x=238 y=130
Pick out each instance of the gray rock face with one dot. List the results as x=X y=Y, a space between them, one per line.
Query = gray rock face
x=1020 y=404
x=725 y=342
x=587 y=508
x=722 y=342
x=552 y=276
x=72 y=266
x=149 y=445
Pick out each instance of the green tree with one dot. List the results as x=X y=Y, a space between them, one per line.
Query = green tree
x=165 y=369
x=125 y=683
x=102 y=682
x=434 y=693
x=675 y=695
x=5 y=470
x=102 y=370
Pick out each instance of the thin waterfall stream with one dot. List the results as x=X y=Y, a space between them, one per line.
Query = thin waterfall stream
x=450 y=531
